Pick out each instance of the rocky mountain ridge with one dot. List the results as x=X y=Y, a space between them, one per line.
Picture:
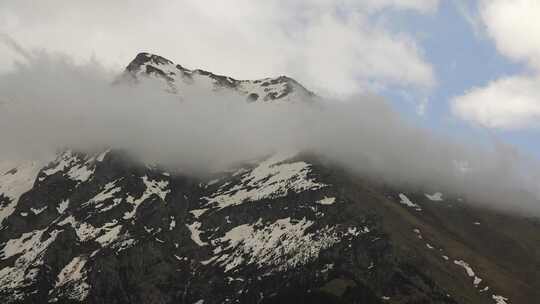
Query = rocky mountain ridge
x=177 y=77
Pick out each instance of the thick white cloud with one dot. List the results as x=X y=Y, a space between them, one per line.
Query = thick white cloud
x=515 y=28
x=508 y=103
x=331 y=46
x=511 y=102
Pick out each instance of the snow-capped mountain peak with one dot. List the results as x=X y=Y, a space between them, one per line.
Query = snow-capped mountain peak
x=177 y=77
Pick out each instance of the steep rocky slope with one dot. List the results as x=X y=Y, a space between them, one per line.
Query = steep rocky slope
x=289 y=227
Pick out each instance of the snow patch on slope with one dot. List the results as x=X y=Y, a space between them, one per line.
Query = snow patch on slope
x=79 y=169
x=327 y=201
x=101 y=156
x=37 y=211
x=63 y=206
x=80 y=173
x=153 y=187
x=470 y=272
x=435 y=197
x=72 y=280
x=194 y=228
x=105 y=235
x=15 y=180
x=407 y=202
x=198 y=212
x=272 y=178
x=281 y=245
x=107 y=193
x=500 y=299
x=63 y=161
x=29 y=248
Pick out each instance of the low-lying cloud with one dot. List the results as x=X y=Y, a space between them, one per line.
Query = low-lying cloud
x=49 y=102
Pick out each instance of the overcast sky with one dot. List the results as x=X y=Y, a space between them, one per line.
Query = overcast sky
x=468 y=67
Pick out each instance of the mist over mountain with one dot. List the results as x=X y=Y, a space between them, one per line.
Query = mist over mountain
x=195 y=121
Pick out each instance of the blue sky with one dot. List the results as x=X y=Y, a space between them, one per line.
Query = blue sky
x=462 y=59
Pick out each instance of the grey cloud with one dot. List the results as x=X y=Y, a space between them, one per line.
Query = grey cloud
x=51 y=102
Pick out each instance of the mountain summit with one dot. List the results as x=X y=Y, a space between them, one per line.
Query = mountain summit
x=281 y=88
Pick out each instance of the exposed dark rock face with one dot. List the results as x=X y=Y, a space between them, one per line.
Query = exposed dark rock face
x=101 y=229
